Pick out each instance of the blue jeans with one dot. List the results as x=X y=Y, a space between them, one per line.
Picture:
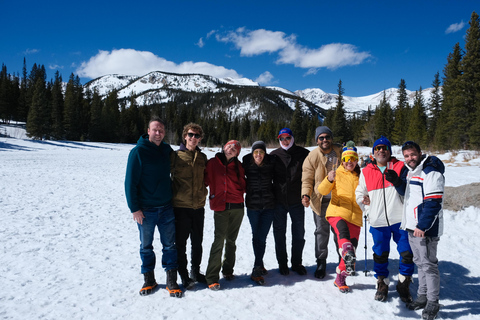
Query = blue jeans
x=297 y=215
x=261 y=221
x=164 y=219
x=381 y=250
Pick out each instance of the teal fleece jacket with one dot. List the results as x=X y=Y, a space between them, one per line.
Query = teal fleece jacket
x=147 y=181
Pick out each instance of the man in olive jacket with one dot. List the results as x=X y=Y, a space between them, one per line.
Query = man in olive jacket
x=189 y=194
x=316 y=166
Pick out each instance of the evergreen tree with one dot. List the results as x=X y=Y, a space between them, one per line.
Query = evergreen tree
x=96 y=125
x=57 y=108
x=383 y=118
x=368 y=132
x=111 y=117
x=418 y=120
x=434 y=106
x=401 y=115
x=38 y=113
x=4 y=89
x=23 y=106
x=339 y=124
x=297 y=125
x=73 y=107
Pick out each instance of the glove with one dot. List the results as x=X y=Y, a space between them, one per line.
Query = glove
x=393 y=177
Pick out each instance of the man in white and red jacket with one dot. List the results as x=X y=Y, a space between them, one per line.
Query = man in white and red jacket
x=383 y=205
x=422 y=182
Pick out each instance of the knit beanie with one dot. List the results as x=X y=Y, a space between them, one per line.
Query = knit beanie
x=349 y=150
x=237 y=145
x=384 y=141
x=323 y=129
x=259 y=145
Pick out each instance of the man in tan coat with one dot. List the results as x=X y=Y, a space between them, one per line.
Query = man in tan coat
x=316 y=166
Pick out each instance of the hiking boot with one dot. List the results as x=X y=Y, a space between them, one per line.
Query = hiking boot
x=229 y=276
x=172 y=285
x=340 y=282
x=214 y=286
x=348 y=256
x=264 y=271
x=284 y=271
x=403 y=288
x=187 y=282
x=431 y=310
x=418 y=303
x=382 y=289
x=321 y=268
x=257 y=275
x=300 y=269
x=196 y=276
x=149 y=283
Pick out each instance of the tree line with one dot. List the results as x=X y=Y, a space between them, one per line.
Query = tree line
x=70 y=111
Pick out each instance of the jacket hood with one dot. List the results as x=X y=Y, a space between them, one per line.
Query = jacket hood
x=431 y=162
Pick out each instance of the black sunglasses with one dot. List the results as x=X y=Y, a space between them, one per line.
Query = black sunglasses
x=285 y=138
x=324 y=138
x=196 y=135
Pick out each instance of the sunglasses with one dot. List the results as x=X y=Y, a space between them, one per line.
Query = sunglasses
x=324 y=138
x=191 y=135
x=286 y=138
x=259 y=152
x=349 y=159
x=378 y=148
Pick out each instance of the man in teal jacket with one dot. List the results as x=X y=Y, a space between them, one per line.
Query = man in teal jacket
x=149 y=196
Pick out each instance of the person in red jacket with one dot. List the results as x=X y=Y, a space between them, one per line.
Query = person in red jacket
x=225 y=177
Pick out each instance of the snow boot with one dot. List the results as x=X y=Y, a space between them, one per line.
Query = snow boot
x=172 y=286
x=382 y=289
x=300 y=269
x=348 y=256
x=187 y=282
x=321 y=268
x=214 y=286
x=431 y=310
x=340 y=281
x=196 y=276
x=403 y=288
x=418 y=303
x=149 y=283
x=257 y=275
x=284 y=271
x=264 y=271
x=228 y=276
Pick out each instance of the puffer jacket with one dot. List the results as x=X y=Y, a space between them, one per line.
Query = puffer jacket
x=386 y=204
x=313 y=172
x=343 y=203
x=423 y=207
x=226 y=181
x=260 y=193
x=287 y=182
x=188 y=185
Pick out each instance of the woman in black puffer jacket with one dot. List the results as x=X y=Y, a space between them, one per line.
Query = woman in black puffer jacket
x=260 y=202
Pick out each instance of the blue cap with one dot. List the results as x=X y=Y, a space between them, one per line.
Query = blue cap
x=285 y=131
x=384 y=141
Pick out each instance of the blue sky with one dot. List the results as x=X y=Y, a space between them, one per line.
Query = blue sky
x=369 y=45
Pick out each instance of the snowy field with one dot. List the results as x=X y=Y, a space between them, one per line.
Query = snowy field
x=69 y=249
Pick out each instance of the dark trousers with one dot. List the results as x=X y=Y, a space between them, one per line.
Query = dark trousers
x=261 y=221
x=189 y=223
x=297 y=215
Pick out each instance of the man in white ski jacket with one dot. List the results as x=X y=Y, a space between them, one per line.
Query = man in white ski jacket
x=422 y=182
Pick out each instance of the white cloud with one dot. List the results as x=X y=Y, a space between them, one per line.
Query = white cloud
x=261 y=41
x=31 y=51
x=200 y=43
x=133 y=62
x=455 y=27
x=55 y=67
x=265 y=78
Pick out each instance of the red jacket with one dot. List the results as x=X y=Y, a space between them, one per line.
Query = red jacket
x=226 y=183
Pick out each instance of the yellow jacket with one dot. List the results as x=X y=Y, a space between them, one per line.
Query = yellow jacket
x=343 y=203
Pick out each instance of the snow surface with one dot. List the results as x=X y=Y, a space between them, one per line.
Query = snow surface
x=70 y=250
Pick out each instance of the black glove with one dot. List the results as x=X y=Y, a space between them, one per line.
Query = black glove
x=393 y=177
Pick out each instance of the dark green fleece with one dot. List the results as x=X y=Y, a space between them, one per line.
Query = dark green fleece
x=147 y=182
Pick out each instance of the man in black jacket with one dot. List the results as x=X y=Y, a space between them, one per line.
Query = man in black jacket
x=288 y=186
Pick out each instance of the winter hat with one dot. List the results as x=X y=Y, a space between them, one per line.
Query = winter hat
x=285 y=131
x=323 y=129
x=237 y=145
x=384 y=141
x=259 y=145
x=349 y=150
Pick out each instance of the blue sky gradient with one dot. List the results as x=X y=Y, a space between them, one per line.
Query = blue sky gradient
x=369 y=45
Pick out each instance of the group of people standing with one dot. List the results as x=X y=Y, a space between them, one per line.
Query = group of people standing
x=167 y=190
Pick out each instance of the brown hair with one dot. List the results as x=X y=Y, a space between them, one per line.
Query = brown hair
x=194 y=127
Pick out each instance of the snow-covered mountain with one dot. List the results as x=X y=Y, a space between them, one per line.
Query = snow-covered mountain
x=161 y=87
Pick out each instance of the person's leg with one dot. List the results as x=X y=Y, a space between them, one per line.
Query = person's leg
x=215 y=259
x=381 y=249
x=166 y=227
x=196 y=237
x=146 y=231
x=297 y=214
x=322 y=232
x=406 y=266
x=182 y=231
x=265 y=223
x=234 y=222
x=279 y=233
x=254 y=219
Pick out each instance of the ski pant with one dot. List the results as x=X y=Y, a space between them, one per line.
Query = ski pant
x=381 y=250
x=297 y=215
x=189 y=223
x=227 y=224
x=425 y=257
x=344 y=232
x=261 y=221
x=322 y=231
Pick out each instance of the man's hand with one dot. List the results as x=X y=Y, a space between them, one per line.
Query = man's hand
x=393 y=177
x=366 y=200
x=418 y=233
x=306 y=201
x=138 y=216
